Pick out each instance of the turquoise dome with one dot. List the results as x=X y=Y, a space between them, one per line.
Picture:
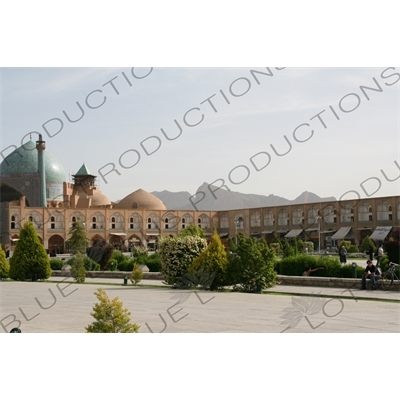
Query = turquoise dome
x=24 y=162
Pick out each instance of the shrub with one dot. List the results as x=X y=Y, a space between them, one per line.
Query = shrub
x=56 y=264
x=392 y=248
x=4 y=266
x=118 y=256
x=296 y=265
x=30 y=260
x=88 y=263
x=251 y=268
x=126 y=265
x=177 y=254
x=136 y=275
x=368 y=244
x=153 y=262
x=110 y=316
x=78 y=271
x=211 y=262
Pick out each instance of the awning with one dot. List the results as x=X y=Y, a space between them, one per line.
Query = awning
x=341 y=233
x=118 y=234
x=152 y=234
x=267 y=232
x=380 y=232
x=293 y=233
x=223 y=235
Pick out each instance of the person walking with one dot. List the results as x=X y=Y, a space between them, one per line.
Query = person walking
x=343 y=255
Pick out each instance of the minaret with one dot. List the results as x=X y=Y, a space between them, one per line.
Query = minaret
x=41 y=146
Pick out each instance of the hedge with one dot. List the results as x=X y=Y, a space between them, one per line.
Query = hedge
x=296 y=265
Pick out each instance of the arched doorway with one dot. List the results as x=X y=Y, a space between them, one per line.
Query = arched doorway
x=56 y=245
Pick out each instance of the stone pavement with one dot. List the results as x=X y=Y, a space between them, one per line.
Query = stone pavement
x=63 y=306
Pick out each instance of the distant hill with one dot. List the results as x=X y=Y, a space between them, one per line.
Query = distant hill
x=229 y=200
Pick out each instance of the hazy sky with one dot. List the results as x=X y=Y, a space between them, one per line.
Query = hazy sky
x=233 y=122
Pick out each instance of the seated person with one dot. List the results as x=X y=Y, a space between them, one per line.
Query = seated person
x=372 y=273
x=308 y=271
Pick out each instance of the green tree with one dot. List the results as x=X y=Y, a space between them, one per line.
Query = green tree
x=211 y=262
x=78 y=242
x=110 y=316
x=4 y=266
x=30 y=260
x=368 y=244
x=191 y=230
x=78 y=270
x=136 y=274
x=177 y=254
x=251 y=268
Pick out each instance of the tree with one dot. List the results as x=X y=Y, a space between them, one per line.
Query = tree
x=110 y=316
x=177 y=254
x=251 y=268
x=4 y=266
x=211 y=262
x=368 y=244
x=78 y=270
x=78 y=242
x=101 y=252
x=30 y=260
x=191 y=230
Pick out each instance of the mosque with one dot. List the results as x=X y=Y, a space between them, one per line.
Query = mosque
x=33 y=188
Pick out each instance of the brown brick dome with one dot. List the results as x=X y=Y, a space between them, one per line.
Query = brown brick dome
x=140 y=200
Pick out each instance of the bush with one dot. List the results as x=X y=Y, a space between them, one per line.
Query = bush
x=4 y=266
x=56 y=264
x=251 y=268
x=392 y=248
x=211 y=262
x=110 y=316
x=177 y=254
x=126 y=265
x=88 y=263
x=30 y=260
x=118 y=256
x=296 y=265
x=153 y=262
x=136 y=275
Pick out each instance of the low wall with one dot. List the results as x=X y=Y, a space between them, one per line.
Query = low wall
x=112 y=274
x=316 y=281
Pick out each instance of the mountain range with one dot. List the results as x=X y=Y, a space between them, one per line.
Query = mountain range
x=229 y=200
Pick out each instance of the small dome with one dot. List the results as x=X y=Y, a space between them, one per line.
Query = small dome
x=141 y=200
x=99 y=199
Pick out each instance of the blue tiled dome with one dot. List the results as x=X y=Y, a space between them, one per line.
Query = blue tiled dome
x=24 y=160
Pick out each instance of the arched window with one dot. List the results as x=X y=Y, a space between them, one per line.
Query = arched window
x=187 y=220
x=283 y=218
x=255 y=219
x=364 y=212
x=269 y=219
x=224 y=222
x=297 y=216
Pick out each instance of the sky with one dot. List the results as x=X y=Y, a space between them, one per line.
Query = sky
x=259 y=130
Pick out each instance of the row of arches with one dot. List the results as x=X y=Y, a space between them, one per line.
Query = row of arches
x=328 y=215
x=116 y=221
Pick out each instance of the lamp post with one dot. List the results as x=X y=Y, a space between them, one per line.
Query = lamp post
x=319 y=234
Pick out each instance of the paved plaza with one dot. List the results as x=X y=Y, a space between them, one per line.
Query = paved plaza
x=65 y=307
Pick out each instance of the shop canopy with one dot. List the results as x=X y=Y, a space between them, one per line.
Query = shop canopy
x=293 y=233
x=341 y=233
x=381 y=232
